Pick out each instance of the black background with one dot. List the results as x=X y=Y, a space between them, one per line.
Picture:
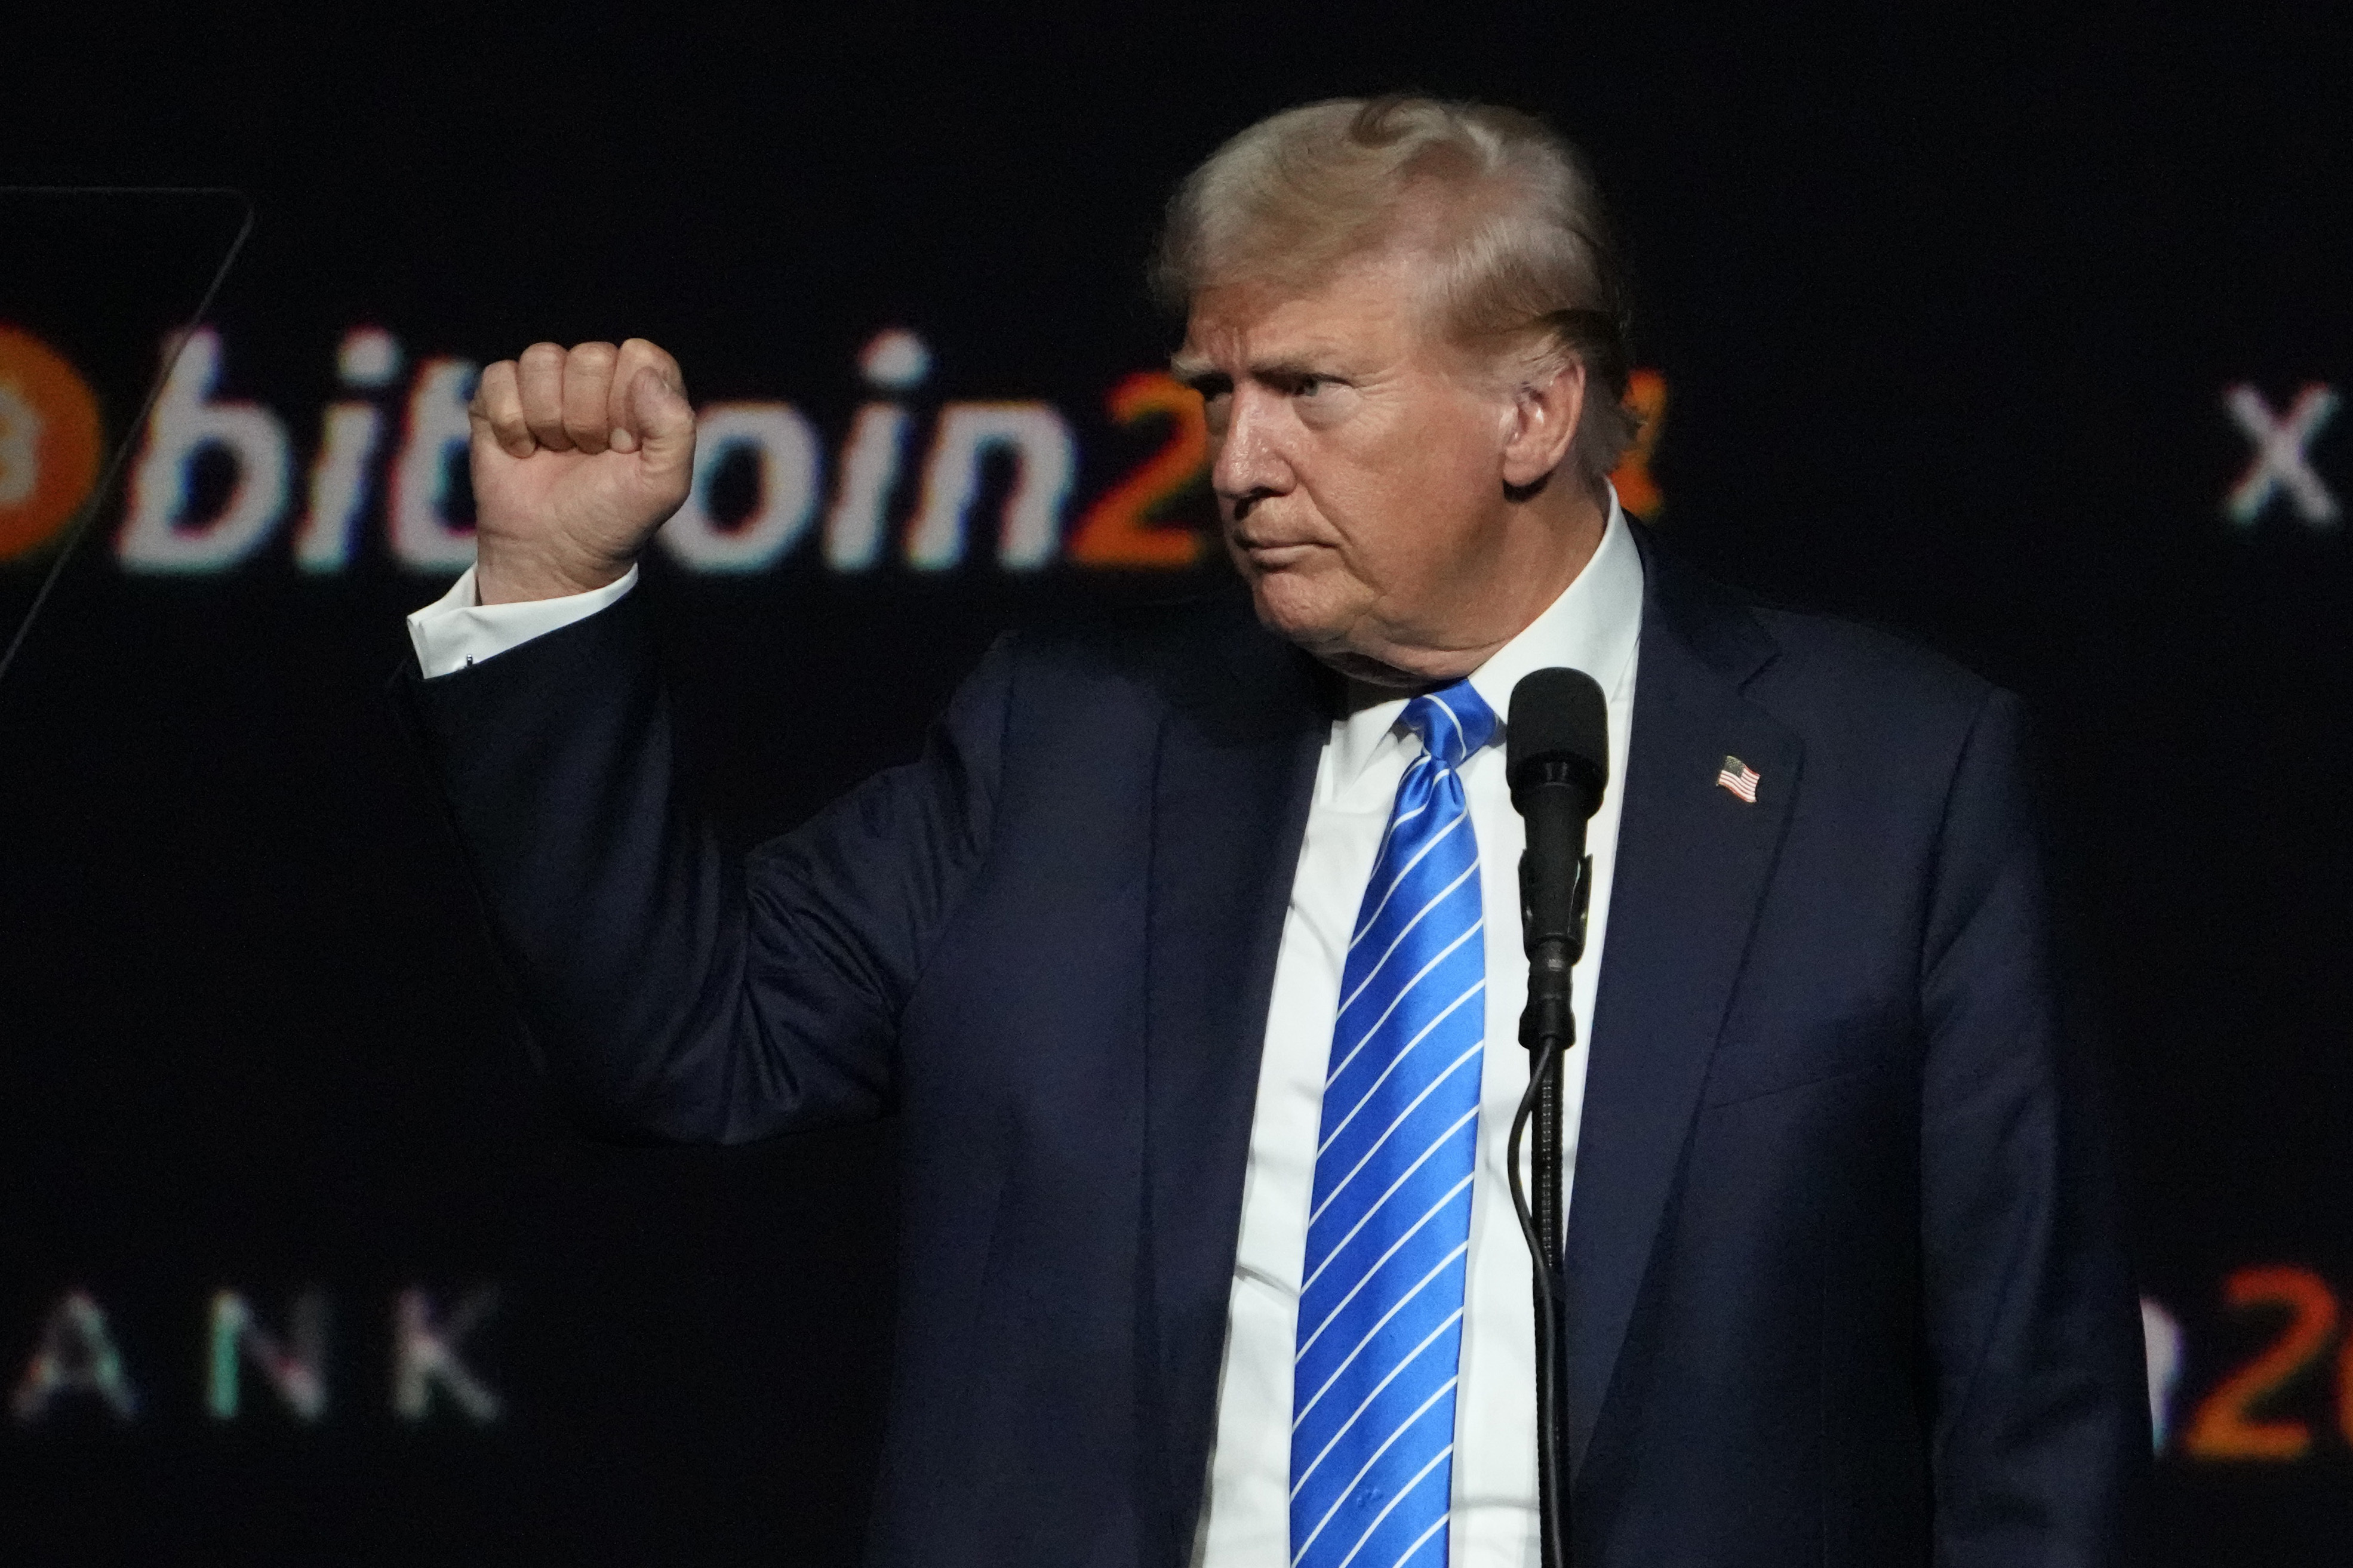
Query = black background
x=1945 y=308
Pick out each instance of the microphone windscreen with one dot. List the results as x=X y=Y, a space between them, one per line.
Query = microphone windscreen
x=1558 y=719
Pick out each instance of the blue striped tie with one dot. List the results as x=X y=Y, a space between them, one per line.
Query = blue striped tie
x=1380 y=1305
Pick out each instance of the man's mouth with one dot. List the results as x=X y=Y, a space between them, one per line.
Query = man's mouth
x=1274 y=553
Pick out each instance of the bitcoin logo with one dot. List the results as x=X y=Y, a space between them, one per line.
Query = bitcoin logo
x=48 y=442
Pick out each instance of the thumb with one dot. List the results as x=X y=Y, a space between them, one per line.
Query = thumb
x=665 y=423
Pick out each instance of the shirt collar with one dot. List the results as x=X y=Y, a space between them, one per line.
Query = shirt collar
x=1592 y=626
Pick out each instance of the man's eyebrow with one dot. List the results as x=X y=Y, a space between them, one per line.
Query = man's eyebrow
x=1282 y=372
x=1201 y=376
x=1190 y=368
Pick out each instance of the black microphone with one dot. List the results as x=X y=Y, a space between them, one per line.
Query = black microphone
x=1557 y=760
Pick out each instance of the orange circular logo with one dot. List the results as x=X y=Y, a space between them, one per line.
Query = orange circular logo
x=48 y=441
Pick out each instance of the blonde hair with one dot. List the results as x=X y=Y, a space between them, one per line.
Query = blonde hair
x=1504 y=205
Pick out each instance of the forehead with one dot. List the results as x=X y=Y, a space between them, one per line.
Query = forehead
x=1370 y=307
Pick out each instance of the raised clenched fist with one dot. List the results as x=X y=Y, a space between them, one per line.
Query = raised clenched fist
x=578 y=455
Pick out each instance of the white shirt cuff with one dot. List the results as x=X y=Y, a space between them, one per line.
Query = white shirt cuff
x=458 y=629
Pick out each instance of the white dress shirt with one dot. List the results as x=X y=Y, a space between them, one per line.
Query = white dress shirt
x=1594 y=626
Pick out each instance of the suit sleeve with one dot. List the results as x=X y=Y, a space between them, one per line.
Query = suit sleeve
x=668 y=990
x=2041 y=1443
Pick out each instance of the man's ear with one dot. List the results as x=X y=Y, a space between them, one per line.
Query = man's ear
x=1545 y=412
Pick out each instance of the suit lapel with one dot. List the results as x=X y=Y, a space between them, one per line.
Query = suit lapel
x=1693 y=862
x=1239 y=750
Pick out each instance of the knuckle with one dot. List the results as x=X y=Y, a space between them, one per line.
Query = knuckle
x=646 y=352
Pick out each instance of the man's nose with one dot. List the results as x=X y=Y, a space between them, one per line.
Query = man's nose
x=1249 y=461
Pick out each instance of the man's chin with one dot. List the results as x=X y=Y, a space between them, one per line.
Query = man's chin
x=1321 y=628
x=1292 y=609
x=1327 y=630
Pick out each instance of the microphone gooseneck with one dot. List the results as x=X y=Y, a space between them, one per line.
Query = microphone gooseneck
x=1557 y=760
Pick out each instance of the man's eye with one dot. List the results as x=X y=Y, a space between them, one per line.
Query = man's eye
x=1309 y=386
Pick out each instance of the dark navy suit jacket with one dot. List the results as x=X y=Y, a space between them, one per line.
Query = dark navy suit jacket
x=1845 y=1284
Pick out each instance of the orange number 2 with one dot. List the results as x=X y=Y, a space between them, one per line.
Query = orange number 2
x=1646 y=395
x=2227 y=1426
x=1117 y=530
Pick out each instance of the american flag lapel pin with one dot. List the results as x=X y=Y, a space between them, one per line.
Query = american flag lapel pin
x=1739 y=778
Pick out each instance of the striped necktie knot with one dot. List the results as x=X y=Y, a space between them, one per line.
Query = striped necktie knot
x=1453 y=721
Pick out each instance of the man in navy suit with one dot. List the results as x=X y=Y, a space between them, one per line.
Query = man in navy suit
x=1136 y=952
